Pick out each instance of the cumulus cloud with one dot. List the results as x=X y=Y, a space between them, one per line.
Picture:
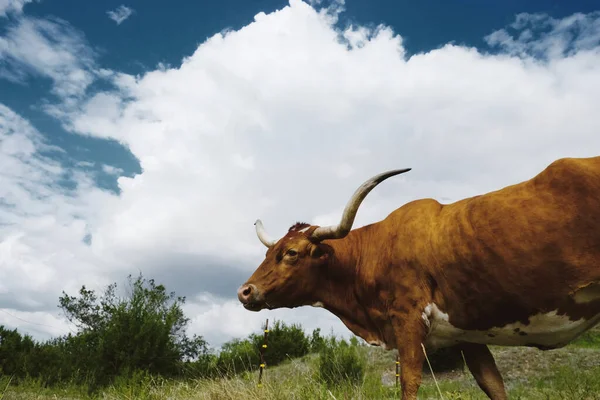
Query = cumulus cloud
x=120 y=14
x=46 y=323
x=12 y=6
x=111 y=170
x=210 y=312
x=43 y=224
x=50 y=48
x=545 y=37
x=286 y=131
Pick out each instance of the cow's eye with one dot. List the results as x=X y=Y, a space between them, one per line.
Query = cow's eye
x=292 y=253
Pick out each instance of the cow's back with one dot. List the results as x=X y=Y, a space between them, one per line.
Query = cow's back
x=509 y=254
x=550 y=223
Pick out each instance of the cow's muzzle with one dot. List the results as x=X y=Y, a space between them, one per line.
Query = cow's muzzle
x=248 y=295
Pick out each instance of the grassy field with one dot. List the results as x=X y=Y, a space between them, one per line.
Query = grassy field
x=571 y=373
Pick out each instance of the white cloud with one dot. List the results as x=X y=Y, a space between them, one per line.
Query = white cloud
x=85 y=164
x=49 y=48
x=43 y=225
x=120 y=14
x=207 y=313
x=282 y=120
x=12 y=6
x=46 y=323
x=554 y=38
x=111 y=170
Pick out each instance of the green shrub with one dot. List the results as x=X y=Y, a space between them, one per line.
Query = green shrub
x=283 y=343
x=341 y=363
x=317 y=342
x=143 y=331
x=237 y=356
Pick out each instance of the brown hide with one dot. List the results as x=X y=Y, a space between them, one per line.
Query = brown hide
x=485 y=261
x=504 y=256
x=459 y=273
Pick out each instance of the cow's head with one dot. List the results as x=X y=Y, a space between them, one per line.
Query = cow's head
x=294 y=264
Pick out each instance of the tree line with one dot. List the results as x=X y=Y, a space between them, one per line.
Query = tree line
x=144 y=331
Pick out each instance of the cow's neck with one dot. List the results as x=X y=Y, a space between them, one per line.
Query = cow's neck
x=338 y=293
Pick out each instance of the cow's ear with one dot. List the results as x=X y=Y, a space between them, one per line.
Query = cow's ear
x=319 y=251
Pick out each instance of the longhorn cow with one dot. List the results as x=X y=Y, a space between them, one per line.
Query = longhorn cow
x=515 y=267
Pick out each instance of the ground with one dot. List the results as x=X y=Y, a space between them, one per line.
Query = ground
x=570 y=373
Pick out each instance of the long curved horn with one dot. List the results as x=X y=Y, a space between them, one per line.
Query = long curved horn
x=341 y=230
x=262 y=234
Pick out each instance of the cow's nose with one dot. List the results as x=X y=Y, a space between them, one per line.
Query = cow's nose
x=246 y=292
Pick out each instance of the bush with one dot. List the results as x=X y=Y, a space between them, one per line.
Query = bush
x=144 y=331
x=119 y=337
x=340 y=363
x=237 y=356
x=283 y=342
x=317 y=342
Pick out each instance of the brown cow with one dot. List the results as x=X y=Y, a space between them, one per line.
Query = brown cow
x=515 y=267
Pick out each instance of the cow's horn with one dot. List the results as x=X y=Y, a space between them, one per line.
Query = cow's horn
x=262 y=234
x=341 y=230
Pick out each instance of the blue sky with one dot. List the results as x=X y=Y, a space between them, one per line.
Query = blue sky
x=155 y=34
x=162 y=165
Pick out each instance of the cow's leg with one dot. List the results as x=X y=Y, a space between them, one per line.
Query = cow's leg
x=411 y=364
x=409 y=339
x=483 y=367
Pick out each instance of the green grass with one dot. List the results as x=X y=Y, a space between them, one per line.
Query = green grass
x=590 y=339
x=571 y=373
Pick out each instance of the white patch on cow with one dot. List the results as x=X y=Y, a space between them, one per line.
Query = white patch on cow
x=304 y=229
x=587 y=294
x=426 y=318
x=378 y=343
x=318 y=304
x=545 y=329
